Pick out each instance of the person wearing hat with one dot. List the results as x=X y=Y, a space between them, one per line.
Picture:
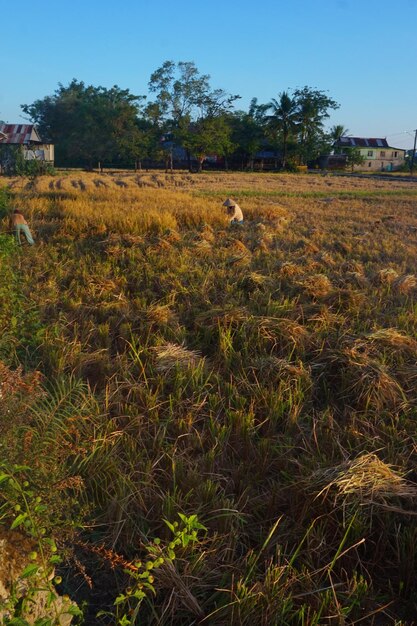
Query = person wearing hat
x=234 y=212
x=18 y=224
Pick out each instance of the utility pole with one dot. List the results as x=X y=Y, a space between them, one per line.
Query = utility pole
x=414 y=153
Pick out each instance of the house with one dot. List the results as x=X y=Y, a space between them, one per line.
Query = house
x=377 y=153
x=26 y=138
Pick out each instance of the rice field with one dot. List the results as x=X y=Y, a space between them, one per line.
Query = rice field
x=245 y=395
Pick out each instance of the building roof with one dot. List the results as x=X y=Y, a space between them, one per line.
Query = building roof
x=19 y=134
x=362 y=142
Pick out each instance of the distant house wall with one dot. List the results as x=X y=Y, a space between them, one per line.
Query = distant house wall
x=378 y=155
x=377 y=159
x=41 y=152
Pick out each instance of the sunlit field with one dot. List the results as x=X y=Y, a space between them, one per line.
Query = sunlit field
x=246 y=395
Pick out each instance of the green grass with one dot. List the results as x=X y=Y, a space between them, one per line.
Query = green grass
x=343 y=195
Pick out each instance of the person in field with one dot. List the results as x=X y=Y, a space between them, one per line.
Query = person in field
x=234 y=212
x=18 y=225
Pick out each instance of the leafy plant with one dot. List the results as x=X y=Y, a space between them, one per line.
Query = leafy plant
x=141 y=574
x=20 y=504
x=5 y=198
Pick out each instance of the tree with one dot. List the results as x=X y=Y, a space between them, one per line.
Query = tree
x=353 y=157
x=247 y=136
x=337 y=132
x=312 y=109
x=283 y=121
x=334 y=136
x=190 y=110
x=208 y=135
x=87 y=123
x=248 y=131
x=154 y=130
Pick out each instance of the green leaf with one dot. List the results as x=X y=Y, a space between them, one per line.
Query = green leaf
x=29 y=570
x=73 y=609
x=40 y=508
x=170 y=526
x=55 y=559
x=50 y=598
x=119 y=599
x=19 y=520
x=18 y=621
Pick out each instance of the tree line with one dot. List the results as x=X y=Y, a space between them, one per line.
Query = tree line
x=184 y=116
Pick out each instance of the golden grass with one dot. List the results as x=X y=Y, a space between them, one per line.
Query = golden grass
x=233 y=370
x=169 y=356
x=234 y=181
x=365 y=479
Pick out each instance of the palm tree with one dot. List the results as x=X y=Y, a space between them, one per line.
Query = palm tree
x=310 y=128
x=283 y=119
x=338 y=131
x=313 y=106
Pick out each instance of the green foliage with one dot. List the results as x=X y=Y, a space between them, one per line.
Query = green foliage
x=31 y=168
x=142 y=574
x=190 y=111
x=5 y=198
x=337 y=132
x=353 y=157
x=313 y=108
x=93 y=124
x=296 y=124
x=14 y=163
x=20 y=327
x=9 y=297
x=9 y=154
x=248 y=132
x=210 y=135
x=282 y=123
x=88 y=124
x=24 y=511
x=184 y=533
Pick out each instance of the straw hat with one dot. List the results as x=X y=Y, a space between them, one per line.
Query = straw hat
x=229 y=202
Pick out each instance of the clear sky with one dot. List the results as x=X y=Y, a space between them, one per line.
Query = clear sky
x=362 y=52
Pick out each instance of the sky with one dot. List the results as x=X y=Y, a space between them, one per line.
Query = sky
x=363 y=53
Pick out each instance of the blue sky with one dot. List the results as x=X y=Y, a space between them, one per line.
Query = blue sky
x=362 y=52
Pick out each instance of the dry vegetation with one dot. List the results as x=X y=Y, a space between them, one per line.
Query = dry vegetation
x=262 y=377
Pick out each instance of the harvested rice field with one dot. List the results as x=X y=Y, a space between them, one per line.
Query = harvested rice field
x=215 y=425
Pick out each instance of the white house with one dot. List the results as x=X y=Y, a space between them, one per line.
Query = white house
x=377 y=153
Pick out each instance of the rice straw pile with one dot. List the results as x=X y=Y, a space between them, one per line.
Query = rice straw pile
x=365 y=480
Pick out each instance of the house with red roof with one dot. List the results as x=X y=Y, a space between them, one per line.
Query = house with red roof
x=23 y=137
